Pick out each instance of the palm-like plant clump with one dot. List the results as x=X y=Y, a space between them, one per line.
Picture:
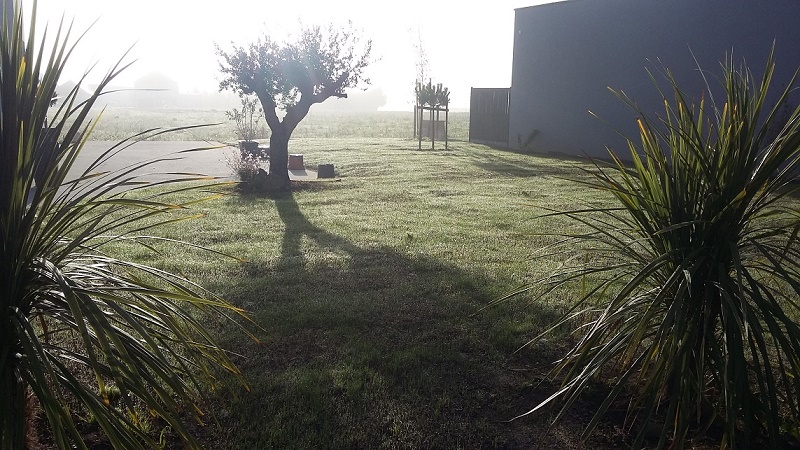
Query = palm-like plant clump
x=433 y=95
x=696 y=272
x=77 y=325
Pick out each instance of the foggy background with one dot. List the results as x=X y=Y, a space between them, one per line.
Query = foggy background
x=172 y=41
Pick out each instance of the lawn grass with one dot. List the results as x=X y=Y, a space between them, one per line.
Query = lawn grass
x=369 y=290
x=119 y=123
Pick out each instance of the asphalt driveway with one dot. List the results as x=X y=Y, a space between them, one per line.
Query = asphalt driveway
x=207 y=162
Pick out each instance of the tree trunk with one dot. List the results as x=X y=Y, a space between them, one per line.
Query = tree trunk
x=279 y=161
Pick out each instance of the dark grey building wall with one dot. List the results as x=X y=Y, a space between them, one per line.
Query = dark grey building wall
x=567 y=54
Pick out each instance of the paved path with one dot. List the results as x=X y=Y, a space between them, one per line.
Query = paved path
x=207 y=162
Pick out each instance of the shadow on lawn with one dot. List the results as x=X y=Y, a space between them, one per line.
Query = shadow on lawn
x=375 y=348
x=516 y=164
x=298 y=226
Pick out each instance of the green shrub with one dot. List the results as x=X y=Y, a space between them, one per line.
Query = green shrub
x=75 y=320
x=244 y=164
x=690 y=287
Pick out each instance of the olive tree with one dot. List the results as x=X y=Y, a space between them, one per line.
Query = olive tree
x=318 y=64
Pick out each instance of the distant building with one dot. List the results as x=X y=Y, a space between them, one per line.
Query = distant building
x=567 y=54
x=67 y=87
x=155 y=91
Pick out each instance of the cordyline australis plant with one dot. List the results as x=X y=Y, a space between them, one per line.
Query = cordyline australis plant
x=693 y=301
x=77 y=323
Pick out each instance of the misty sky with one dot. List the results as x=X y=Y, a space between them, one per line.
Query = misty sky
x=467 y=44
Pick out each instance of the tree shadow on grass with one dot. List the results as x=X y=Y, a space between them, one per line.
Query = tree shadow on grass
x=298 y=227
x=373 y=347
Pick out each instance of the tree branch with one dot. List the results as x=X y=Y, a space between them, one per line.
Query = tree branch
x=269 y=107
x=332 y=90
x=296 y=113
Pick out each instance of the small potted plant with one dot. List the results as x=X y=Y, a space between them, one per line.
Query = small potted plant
x=247 y=125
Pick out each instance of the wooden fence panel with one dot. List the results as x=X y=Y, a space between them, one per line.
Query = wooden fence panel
x=489 y=116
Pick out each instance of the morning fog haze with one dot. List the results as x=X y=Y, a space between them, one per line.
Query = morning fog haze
x=465 y=46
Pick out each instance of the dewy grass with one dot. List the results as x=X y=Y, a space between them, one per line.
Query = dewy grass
x=119 y=123
x=370 y=291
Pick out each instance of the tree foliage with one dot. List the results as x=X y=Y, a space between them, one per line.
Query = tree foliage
x=321 y=63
